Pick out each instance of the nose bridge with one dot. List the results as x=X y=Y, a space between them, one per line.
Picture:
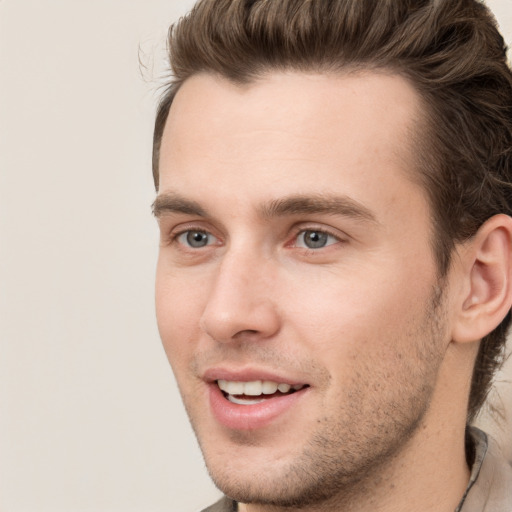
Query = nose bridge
x=238 y=268
x=240 y=300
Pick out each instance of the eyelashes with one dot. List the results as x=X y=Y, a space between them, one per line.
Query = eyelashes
x=311 y=238
x=315 y=239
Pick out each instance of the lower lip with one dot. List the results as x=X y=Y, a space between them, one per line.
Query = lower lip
x=250 y=417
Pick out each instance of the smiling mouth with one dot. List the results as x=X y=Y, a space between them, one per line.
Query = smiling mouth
x=257 y=391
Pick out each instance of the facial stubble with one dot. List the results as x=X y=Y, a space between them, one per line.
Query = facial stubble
x=347 y=453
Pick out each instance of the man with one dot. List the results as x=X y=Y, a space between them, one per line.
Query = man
x=334 y=277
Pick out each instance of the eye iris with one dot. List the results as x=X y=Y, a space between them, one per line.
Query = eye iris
x=315 y=239
x=197 y=239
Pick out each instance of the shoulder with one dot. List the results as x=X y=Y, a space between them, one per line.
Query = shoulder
x=223 y=505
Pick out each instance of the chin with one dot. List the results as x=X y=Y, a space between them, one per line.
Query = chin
x=325 y=471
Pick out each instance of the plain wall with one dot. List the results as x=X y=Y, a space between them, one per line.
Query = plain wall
x=90 y=418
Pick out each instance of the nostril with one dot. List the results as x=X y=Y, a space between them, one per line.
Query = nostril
x=246 y=331
x=247 y=335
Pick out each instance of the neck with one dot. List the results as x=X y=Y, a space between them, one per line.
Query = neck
x=430 y=473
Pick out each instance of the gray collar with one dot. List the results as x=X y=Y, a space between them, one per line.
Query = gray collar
x=490 y=484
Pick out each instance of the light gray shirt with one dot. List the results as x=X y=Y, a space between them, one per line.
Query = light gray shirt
x=490 y=484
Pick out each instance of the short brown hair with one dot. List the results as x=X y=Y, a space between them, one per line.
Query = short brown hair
x=450 y=50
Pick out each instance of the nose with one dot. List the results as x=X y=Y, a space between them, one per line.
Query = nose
x=240 y=305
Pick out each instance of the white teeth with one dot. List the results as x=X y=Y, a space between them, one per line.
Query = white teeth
x=233 y=388
x=241 y=401
x=255 y=387
x=269 y=388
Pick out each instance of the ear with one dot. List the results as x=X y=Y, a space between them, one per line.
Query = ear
x=487 y=295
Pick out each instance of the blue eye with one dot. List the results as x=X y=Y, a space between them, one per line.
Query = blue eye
x=196 y=239
x=315 y=239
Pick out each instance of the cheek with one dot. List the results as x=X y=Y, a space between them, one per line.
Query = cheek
x=345 y=316
x=178 y=310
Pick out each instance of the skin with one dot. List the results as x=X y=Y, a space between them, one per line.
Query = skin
x=363 y=320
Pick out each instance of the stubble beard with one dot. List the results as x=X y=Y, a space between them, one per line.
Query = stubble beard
x=346 y=456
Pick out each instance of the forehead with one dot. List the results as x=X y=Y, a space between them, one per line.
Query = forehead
x=288 y=132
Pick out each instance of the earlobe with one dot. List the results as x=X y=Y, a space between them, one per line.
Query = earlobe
x=488 y=271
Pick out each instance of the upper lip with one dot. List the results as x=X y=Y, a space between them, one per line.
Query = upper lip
x=247 y=375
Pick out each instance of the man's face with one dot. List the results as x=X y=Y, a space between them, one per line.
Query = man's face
x=297 y=296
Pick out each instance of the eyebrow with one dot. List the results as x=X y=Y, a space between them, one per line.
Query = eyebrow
x=293 y=205
x=174 y=203
x=318 y=204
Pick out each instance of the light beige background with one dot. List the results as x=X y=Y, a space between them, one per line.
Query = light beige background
x=90 y=419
